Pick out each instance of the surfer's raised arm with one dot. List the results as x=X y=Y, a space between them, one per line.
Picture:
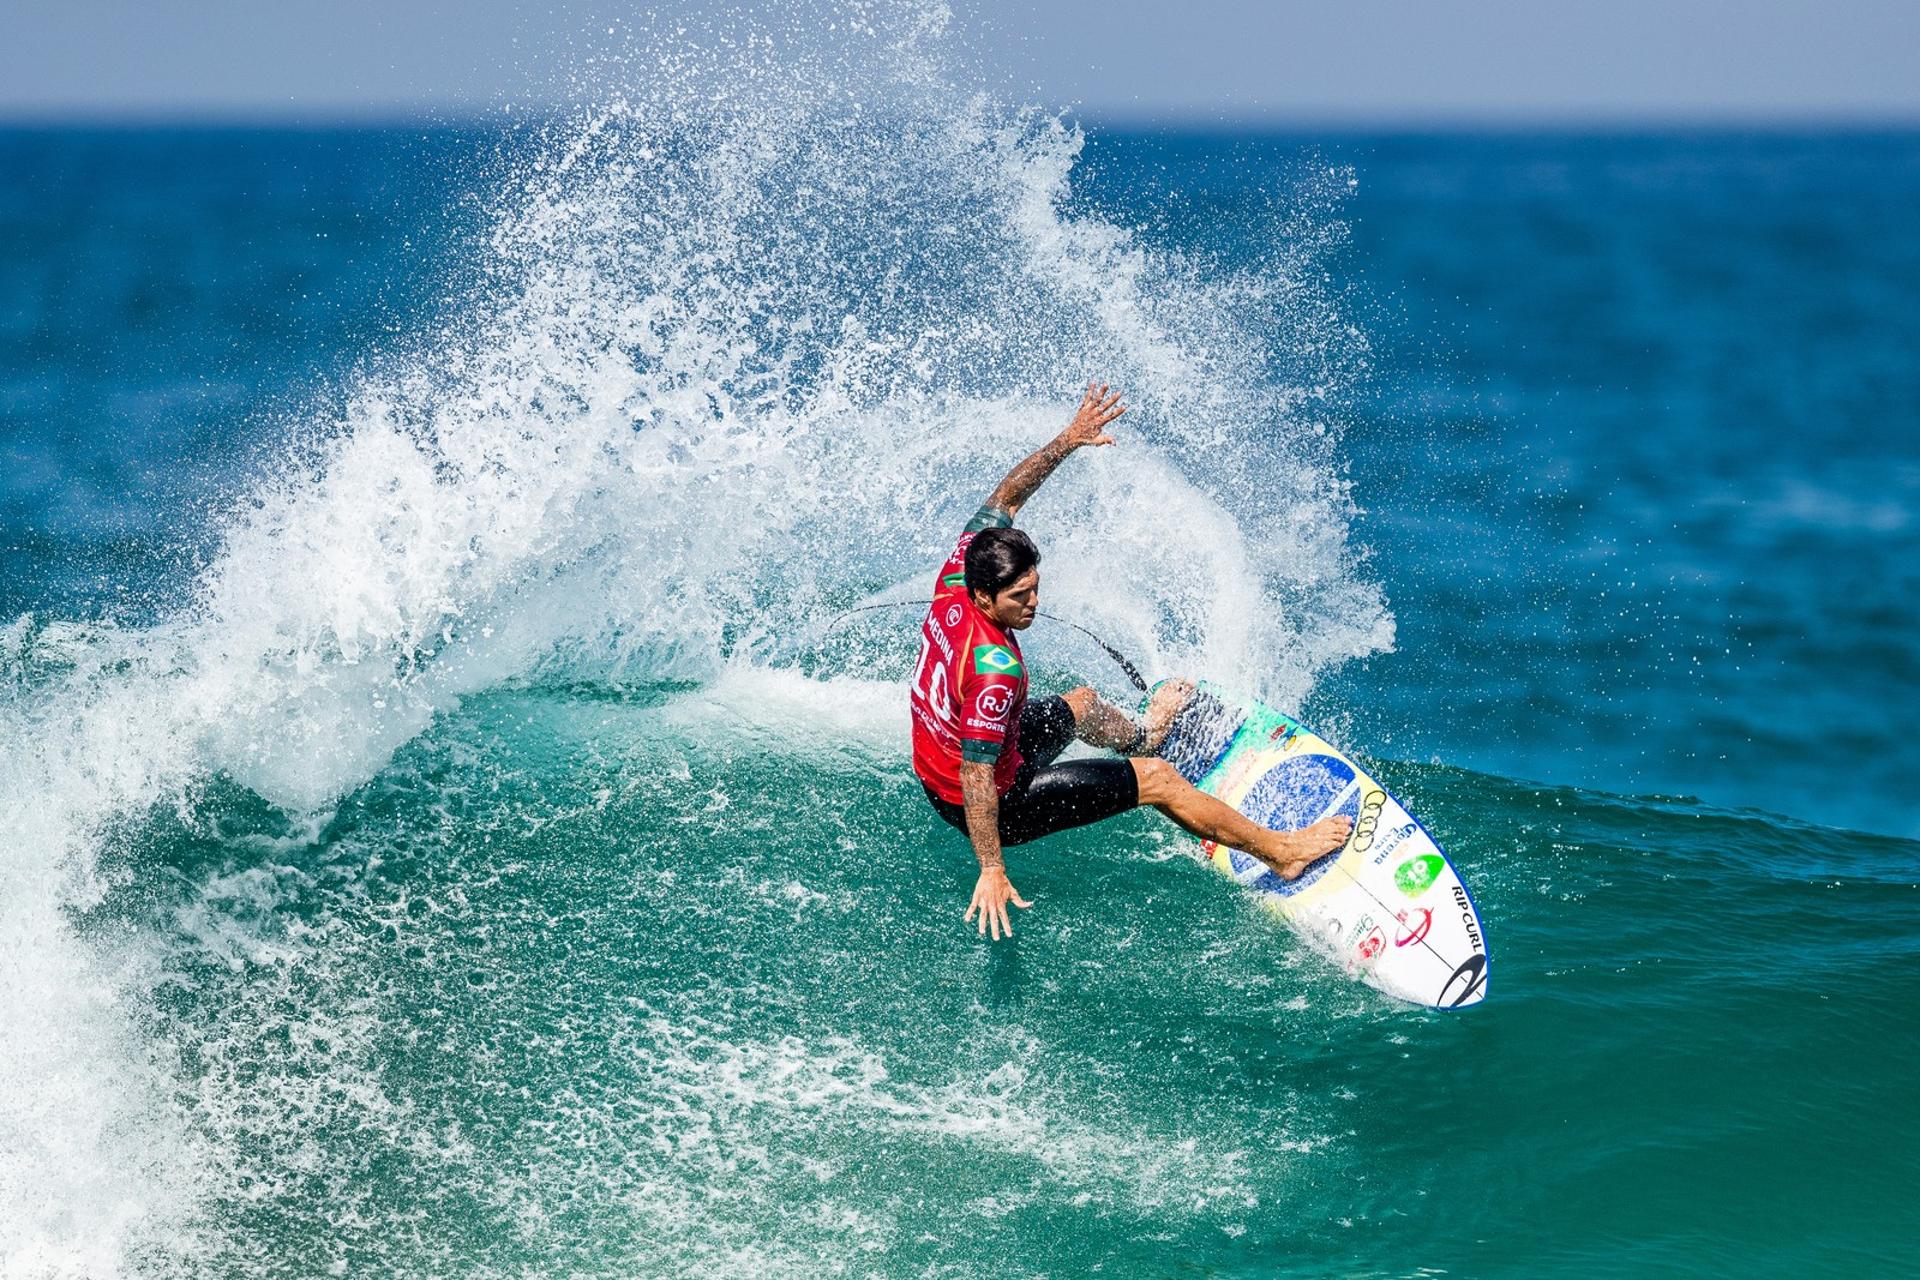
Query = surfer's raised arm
x=1089 y=427
x=989 y=760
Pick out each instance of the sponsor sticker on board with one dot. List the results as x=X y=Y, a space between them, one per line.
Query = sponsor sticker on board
x=1416 y=875
x=1415 y=922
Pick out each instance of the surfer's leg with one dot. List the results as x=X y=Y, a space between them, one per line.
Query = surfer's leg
x=1167 y=702
x=1046 y=729
x=1099 y=723
x=1199 y=814
x=1066 y=795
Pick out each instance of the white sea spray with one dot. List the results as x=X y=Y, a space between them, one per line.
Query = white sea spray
x=752 y=338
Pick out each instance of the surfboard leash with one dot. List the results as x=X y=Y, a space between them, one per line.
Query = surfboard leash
x=1133 y=672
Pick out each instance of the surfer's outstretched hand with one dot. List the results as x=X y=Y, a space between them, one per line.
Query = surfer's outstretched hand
x=991 y=894
x=1100 y=406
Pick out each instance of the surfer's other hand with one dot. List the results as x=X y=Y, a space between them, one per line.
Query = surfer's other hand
x=1099 y=406
x=991 y=894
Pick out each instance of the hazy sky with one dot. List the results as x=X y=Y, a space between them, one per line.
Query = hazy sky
x=1195 y=60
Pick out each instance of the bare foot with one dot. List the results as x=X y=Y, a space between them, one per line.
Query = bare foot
x=1166 y=703
x=1293 y=850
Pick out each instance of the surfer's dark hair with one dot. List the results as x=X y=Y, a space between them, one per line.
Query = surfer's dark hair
x=996 y=557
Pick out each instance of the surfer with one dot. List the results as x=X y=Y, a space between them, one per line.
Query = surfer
x=986 y=756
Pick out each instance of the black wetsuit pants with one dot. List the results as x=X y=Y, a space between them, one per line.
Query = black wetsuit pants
x=1047 y=797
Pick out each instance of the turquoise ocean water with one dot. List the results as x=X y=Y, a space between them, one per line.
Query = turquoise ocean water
x=441 y=837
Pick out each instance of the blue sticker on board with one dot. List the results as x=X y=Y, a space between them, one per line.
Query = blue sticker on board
x=1293 y=794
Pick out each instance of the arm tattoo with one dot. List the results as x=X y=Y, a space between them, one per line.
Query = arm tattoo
x=983 y=814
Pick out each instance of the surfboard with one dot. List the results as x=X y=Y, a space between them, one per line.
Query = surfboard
x=1388 y=907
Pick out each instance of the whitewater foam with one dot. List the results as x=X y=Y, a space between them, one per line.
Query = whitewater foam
x=737 y=361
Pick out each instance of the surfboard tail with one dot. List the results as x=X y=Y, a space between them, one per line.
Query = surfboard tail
x=1201 y=734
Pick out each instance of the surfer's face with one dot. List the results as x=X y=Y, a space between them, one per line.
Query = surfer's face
x=1012 y=607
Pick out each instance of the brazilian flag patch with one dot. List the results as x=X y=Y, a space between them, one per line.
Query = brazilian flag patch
x=954 y=580
x=996 y=660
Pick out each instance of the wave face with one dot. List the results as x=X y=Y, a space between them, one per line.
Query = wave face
x=666 y=980
x=738 y=348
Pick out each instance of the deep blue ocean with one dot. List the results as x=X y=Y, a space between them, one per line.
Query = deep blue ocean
x=442 y=834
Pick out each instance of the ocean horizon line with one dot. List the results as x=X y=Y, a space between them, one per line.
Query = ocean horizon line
x=1395 y=124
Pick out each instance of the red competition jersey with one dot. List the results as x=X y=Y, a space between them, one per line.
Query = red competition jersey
x=969 y=685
